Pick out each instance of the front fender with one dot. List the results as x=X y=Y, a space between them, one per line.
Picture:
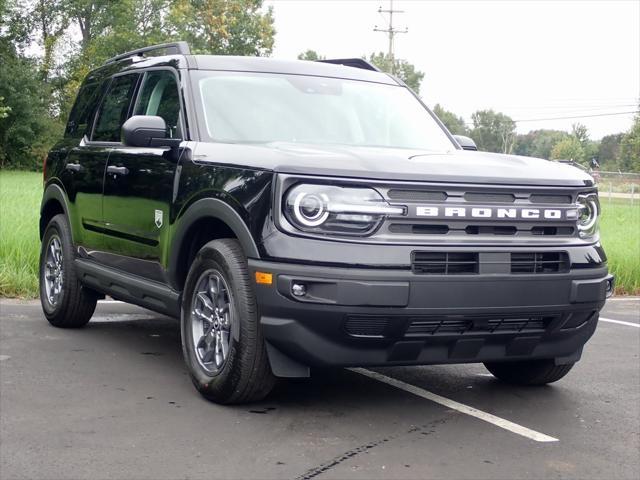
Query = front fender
x=202 y=209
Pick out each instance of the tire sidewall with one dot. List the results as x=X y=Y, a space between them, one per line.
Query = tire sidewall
x=57 y=226
x=223 y=383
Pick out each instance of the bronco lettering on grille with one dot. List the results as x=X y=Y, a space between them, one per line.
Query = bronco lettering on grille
x=494 y=213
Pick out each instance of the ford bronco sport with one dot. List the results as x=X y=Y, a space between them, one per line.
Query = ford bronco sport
x=298 y=214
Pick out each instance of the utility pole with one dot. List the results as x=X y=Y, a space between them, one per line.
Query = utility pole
x=391 y=32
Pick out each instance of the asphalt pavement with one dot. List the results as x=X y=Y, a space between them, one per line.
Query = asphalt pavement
x=113 y=401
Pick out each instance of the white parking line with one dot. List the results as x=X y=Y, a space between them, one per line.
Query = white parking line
x=620 y=322
x=460 y=407
x=109 y=301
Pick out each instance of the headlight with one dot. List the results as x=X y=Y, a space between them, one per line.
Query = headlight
x=328 y=209
x=588 y=214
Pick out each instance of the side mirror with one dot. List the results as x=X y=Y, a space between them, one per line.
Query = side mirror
x=147 y=131
x=465 y=142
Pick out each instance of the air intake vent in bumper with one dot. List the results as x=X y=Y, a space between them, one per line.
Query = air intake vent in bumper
x=539 y=262
x=449 y=325
x=366 y=325
x=444 y=263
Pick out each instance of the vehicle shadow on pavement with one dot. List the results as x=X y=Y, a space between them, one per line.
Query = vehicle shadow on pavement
x=158 y=339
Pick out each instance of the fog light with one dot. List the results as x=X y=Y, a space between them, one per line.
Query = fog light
x=611 y=286
x=298 y=290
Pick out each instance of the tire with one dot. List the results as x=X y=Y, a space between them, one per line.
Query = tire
x=74 y=304
x=532 y=372
x=220 y=272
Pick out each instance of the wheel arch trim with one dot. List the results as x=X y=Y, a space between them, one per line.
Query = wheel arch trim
x=53 y=192
x=212 y=208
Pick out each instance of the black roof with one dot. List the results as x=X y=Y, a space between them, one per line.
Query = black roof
x=178 y=55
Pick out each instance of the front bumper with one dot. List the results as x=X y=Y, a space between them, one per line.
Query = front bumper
x=368 y=317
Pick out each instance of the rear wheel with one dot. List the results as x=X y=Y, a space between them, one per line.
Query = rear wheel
x=222 y=338
x=66 y=303
x=531 y=372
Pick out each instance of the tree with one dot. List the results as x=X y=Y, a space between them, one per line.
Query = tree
x=609 y=151
x=224 y=27
x=455 y=124
x=568 y=149
x=52 y=21
x=404 y=70
x=26 y=126
x=589 y=147
x=311 y=55
x=538 y=143
x=493 y=131
x=630 y=148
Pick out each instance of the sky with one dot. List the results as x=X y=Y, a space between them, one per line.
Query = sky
x=529 y=59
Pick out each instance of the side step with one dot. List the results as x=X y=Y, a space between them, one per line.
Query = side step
x=129 y=288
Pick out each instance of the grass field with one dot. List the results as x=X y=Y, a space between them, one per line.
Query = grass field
x=20 y=194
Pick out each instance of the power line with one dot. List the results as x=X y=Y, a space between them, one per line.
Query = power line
x=390 y=31
x=575 y=117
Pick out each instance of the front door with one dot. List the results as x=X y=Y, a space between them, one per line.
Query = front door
x=138 y=187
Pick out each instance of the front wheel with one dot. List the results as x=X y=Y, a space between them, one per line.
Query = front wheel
x=222 y=338
x=530 y=372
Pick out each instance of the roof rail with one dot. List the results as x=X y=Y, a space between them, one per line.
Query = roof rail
x=352 y=62
x=180 y=48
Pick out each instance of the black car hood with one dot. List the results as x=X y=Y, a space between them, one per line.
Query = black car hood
x=457 y=166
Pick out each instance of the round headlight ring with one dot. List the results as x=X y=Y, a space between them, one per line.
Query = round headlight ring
x=588 y=204
x=310 y=209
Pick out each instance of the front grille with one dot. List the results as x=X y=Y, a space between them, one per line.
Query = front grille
x=539 y=262
x=505 y=223
x=444 y=263
x=448 y=325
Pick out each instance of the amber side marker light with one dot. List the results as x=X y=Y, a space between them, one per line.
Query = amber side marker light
x=264 y=278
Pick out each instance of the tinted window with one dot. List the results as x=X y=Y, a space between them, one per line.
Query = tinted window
x=83 y=110
x=115 y=107
x=159 y=96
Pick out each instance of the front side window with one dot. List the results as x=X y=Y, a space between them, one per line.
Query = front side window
x=240 y=107
x=159 y=96
x=115 y=107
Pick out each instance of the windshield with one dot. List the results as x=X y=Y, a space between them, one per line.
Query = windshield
x=240 y=107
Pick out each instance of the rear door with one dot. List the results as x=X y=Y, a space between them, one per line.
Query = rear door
x=139 y=184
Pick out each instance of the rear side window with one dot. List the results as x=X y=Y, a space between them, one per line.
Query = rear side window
x=82 y=112
x=159 y=96
x=114 y=109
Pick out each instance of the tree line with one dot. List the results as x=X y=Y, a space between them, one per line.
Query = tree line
x=496 y=132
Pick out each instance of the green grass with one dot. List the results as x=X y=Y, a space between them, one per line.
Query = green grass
x=620 y=231
x=20 y=194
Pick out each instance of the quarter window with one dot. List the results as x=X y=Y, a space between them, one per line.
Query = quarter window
x=159 y=96
x=115 y=107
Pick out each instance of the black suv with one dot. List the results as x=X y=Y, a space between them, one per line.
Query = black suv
x=299 y=214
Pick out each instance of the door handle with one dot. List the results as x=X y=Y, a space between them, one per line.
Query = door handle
x=74 y=167
x=117 y=170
